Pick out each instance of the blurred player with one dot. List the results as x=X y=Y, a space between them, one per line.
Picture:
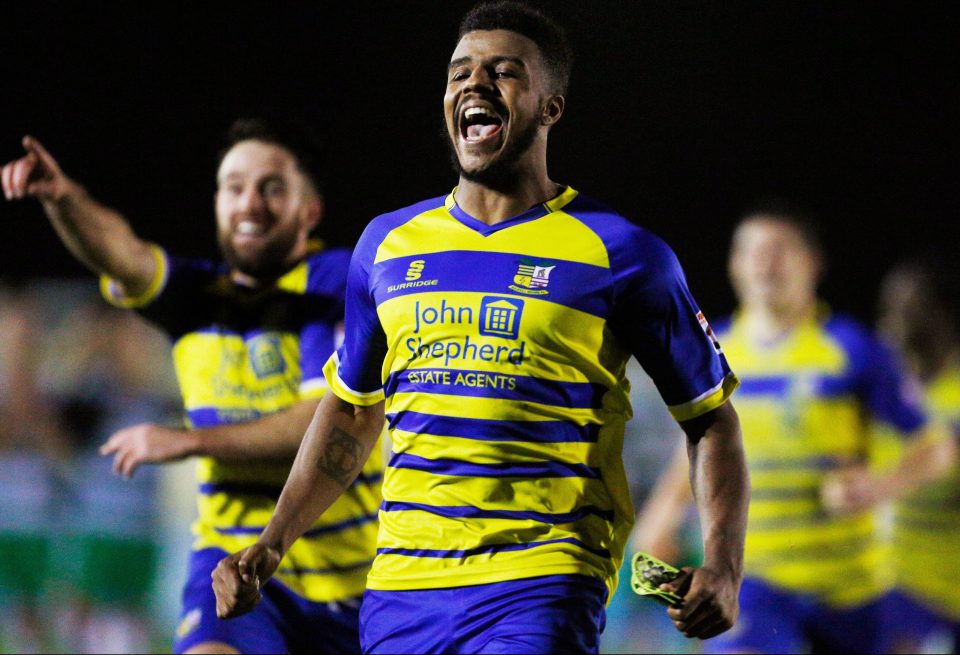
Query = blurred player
x=811 y=380
x=917 y=315
x=249 y=339
x=493 y=326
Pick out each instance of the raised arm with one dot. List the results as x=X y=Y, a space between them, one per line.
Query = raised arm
x=335 y=447
x=99 y=237
x=721 y=487
x=273 y=437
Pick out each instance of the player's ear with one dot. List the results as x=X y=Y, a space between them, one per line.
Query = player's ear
x=313 y=210
x=552 y=110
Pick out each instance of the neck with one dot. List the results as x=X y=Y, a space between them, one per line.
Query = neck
x=767 y=323
x=528 y=185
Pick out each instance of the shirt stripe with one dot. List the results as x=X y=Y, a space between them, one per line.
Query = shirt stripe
x=495 y=548
x=470 y=512
x=501 y=470
x=493 y=430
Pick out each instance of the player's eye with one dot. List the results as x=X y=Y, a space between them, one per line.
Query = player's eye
x=504 y=73
x=273 y=188
x=459 y=76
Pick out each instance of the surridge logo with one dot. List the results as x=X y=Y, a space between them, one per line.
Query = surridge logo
x=412 y=278
x=414 y=270
x=532 y=277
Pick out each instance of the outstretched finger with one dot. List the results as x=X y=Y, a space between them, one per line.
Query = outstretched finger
x=22 y=170
x=118 y=462
x=6 y=176
x=109 y=446
x=130 y=465
x=31 y=145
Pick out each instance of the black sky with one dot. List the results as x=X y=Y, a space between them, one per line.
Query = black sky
x=680 y=113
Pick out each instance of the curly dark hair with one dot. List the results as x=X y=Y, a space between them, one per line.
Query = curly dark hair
x=531 y=23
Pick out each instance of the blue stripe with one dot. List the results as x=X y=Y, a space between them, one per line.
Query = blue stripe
x=768 y=386
x=343 y=525
x=470 y=512
x=500 y=548
x=315 y=532
x=781 y=386
x=270 y=491
x=241 y=488
x=577 y=395
x=205 y=417
x=493 y=430
x=500 y=470
x=331 y=570
x=583 y=287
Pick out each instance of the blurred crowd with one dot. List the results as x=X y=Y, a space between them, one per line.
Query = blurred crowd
x=80 y=547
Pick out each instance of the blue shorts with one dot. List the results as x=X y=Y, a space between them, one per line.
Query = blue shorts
x=282 y=622
x=910 y=622
x=549 y=614
x=774 y=620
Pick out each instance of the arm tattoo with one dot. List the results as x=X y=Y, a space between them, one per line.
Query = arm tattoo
x=341 y=456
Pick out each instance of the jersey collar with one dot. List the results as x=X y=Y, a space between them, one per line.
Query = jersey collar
x=537 y=211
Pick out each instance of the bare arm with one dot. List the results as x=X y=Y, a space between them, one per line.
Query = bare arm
x=99 y=237
x=273 y=437
x=721 y=486
x=930 y=454
x=334 y=449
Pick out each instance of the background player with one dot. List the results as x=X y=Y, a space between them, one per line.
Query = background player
x=917 y=315
x=249 y=338
x=815 y=571
x=493 y=325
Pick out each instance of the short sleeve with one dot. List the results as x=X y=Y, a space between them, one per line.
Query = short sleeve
x=656 y=318
x=891 y=395
x=354 y=371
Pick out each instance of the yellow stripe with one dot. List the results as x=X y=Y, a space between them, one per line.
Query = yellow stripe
x=342 y=391
x=109 y=288
x=707 y=402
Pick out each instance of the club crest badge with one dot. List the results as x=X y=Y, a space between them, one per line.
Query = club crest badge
x=532 y=278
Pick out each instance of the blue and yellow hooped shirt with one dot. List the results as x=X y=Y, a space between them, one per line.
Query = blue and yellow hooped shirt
x=806 y=403
x=926 y=527
x=500 y=352
x=241 y=354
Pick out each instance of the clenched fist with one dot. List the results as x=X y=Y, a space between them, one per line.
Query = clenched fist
x=238 y=578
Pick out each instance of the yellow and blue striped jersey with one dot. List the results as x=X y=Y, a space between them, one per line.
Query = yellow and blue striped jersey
x=241 y=354
x=806 y=403
x=926 y=527
x=500 y=351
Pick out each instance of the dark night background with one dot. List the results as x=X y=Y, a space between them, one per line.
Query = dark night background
x=679 y=114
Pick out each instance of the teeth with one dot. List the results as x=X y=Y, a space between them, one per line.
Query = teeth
x=474 y=111
x=248 y=227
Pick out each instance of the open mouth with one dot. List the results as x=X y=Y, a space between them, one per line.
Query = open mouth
x=479 y=124
x=247 y=230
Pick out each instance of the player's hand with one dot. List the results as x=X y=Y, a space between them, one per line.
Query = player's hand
x=850 y=490
x=238 y=578
x=710 y=602
x=36 y=174
x=146 y=443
